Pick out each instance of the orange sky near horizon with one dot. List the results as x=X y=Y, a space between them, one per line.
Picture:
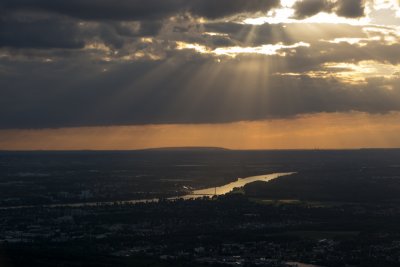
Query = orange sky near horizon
x=323 y=131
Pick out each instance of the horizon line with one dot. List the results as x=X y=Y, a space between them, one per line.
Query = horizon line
x=204 y=148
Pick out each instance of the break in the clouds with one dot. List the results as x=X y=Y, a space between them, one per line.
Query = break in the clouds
x=129 y=62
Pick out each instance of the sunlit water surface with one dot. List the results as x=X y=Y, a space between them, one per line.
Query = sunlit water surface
x=212 y=191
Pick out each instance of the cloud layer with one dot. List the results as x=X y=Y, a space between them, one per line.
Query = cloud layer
x=344 y=8
x=93 y=63
x=138 y=9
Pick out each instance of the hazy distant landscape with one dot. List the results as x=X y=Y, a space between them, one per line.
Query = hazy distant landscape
x=338 y=207
x=87 y=176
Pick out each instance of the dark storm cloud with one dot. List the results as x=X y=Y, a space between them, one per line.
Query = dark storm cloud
x=308 y=8
x=44 y=33
x=45 y=24
x=139 y=9
x=344 y=8
x=177 y=91
x=351 y=8
x=48 y=32
x=116 y=34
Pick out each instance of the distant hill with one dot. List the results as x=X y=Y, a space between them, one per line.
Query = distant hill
x=187 y=148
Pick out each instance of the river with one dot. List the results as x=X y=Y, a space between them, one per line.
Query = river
x=220 y=190
x=240 y=182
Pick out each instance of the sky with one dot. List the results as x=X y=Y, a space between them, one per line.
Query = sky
x=240 y=74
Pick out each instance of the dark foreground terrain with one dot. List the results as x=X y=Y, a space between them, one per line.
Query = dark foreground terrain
x=340 y=208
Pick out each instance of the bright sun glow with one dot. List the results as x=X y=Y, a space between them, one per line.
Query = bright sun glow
x=285 y=15
x=268 y=49
x=357 y=73
x=263 y=50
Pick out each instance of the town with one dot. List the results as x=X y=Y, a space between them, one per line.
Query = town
x=223 y=231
